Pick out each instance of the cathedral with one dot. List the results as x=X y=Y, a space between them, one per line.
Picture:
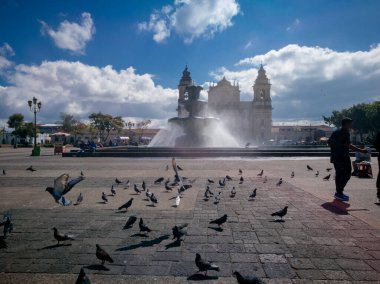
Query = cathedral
x=248 y=121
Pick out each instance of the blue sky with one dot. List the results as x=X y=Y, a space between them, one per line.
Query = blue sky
x=212 y=37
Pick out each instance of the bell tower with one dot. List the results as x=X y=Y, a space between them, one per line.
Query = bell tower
x=183 y=83
x=261 y=88
x=262 y=108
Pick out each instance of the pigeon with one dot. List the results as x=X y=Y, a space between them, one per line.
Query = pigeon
x=222 y=183
x=159 y=180
x=220 y=221
x=62 y=185
x=31 y=169
x=7 y=223
x=179 y=168
x=127 y=184
x=137 y=189
x=241 y=180
x=62 y=237
x=153 y=198
x=328 y=169
x=113 y=191
x=217 y=198
x=247 y=279
x=279 y=182
x=261 y=173
x=240 y=171
x=233 y=192
x=104 y=197
x=131 y=220
x=143 y=227
x=253 y=194
x=102 y=255
x=210 y=180
x=82 y=278
x=167 y=187
x=228 y=177
x=327 y=177
x=126 y=205
x=208 y=191
x=148 y=194
x=204 y=265
x=177 y=201
x=292 y=175
x=4 y=172
x=179 y=231
x=79 y=199
x=143 y=185
x=81 y=173
x=117 y=181
x=281 y=213
x=309 y=168
x=265 y=179
x=317 y=174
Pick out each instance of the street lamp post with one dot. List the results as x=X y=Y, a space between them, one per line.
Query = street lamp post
x=35 y=107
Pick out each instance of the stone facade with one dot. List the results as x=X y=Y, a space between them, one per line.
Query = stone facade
x=250 y=121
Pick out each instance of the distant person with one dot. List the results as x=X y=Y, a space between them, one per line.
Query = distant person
x=376 y=144
x=361 y=157
x=340 y=144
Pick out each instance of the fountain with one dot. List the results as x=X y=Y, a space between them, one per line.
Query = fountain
x=192 y=128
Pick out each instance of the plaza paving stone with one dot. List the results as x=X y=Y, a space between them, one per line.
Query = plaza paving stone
x=312 y=245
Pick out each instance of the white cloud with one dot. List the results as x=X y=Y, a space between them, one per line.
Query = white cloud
x=248 y=45
x=5 y=51
x=80 y=89
x=191 y=19
x=71 y=36
x=308 y=82
x=293 y=26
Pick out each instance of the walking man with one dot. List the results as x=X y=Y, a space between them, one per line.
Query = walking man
x=340 y=156
x=377 y=146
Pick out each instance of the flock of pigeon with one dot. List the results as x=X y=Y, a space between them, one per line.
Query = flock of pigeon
x=62 y=185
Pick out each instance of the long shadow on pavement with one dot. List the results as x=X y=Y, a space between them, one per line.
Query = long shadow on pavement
x=201 y=277
x=144 y=244
x=336 y=206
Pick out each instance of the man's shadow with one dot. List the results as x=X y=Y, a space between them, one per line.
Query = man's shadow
x=336 y=206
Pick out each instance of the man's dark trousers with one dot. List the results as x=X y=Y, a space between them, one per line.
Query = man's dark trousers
x=342 y=174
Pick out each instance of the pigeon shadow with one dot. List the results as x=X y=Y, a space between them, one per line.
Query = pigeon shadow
x=172 y=198
x=56 y=246
x=377 y=203
x=216 y=202
x=139 y=235
x=121 y=211
x=150 y=205
x=201 y=277
x=218 y=229
x=102 y=202
x=336 y=206
x=251 y=199
x=176 y=243
x=127 y=227
x=175 y=206
x=3 y=243
x=205 y=199
x=144 y=244
x=97 y=267
x=278 y=221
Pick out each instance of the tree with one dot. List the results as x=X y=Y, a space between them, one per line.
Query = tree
x=105 y=123
x=143 y=124
x=15 y=120
x=69 y=122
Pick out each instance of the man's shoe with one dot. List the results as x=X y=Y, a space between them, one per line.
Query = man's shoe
x=341 y=196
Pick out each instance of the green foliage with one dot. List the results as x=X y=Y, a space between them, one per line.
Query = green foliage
x=22 y=129
x=365 y=116
x=105 y=123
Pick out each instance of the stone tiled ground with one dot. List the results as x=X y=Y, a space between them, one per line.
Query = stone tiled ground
x=317 y=243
